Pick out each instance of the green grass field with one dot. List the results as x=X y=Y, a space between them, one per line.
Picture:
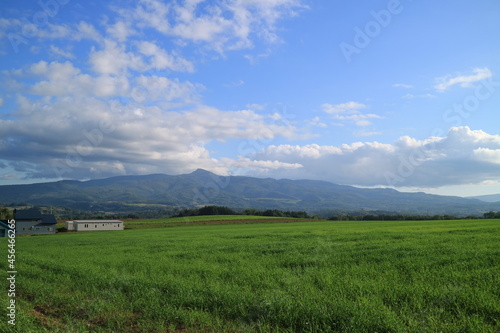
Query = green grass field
x=199 y=220
x=426 y=276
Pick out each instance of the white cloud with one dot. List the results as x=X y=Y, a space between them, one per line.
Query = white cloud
x=260 y=166
x=219 y=25
x=63 y=79
x=463 y=156
x=487 y=155
x=349 y=107
x=120 y=31
x=137 y=138
x=7 y=25
x=127 y=79
x=350 y=112
x=402 y=85
x=448 y=81
x=59 y=52
x=359 y=119
x=317 y=122
x=159 y=88
x=161 y=59
x=113 y=59
x=413 y=96
x=60 y=79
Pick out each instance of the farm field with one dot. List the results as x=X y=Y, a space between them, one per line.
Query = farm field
x=204 y=219
x=405 y=276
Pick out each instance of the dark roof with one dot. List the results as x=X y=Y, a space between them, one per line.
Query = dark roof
x=27 y=214
x=4 y=224
x=48 y=219
x=34 y=214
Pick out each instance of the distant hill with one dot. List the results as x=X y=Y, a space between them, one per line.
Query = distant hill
x=204 y=188
x=488 y=198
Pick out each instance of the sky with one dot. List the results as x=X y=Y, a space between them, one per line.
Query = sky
x=401 y=94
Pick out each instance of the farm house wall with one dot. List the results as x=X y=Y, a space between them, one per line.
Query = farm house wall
x=33 y=228
x=69 y=225
x=97 y=226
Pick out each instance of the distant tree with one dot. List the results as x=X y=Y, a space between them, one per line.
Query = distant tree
x=216 y=210
x=5 y=213
x=491 y=215
x=300 y=215
x=250 y=211
x=206 y=210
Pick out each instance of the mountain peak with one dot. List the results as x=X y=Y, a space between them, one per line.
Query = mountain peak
x=200 y=172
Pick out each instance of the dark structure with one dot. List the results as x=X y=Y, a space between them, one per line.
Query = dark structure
x=3 y=229
x=31 y=222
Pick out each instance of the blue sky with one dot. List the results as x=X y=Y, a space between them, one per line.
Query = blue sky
x=401 y=94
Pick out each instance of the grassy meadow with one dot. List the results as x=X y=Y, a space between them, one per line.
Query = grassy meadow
x=200 y=220
x=408 y=276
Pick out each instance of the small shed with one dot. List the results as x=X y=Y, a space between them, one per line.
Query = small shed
x=94 y=225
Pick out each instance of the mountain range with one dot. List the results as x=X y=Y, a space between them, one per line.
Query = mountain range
x=487 y=198
x=202 y=187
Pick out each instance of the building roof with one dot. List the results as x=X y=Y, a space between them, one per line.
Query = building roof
x=96 y=221
x=33 y=214
x=48 y=219
x=27 y=214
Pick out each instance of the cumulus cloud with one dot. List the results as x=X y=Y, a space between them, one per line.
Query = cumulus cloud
x=120 y=31
x=487 y=155
x=161 y=59
x=444 y=83
x=97 y=138
x=463 y=156
x=114 y=59
x=118 y=107
x=64 y=79
x=219 y=25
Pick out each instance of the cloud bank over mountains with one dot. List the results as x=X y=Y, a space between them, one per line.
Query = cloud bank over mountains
x=120 y=95
x=123 y=108
x=463 y=156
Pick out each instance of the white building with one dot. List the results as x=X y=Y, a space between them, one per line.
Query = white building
x=94 y=225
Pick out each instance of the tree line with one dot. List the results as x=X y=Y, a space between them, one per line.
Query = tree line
x=222 y=210
x=492 y=215
x=71 y=214
x=408 y=217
